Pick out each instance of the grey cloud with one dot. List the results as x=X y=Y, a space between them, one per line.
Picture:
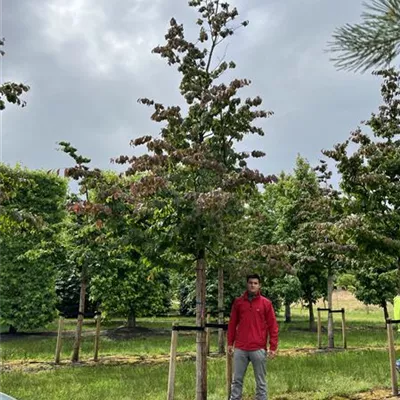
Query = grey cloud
x=89 y=61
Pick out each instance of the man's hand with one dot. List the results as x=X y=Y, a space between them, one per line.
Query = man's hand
x=271 y=354
x=230 y=350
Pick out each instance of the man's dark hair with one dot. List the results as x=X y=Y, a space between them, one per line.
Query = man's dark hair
x=254 y=276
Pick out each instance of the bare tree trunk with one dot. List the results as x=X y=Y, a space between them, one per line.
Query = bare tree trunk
x=288 y=312
x=12 y=330
x=331 y=341
x=201 y=348
x=385 y=310
x=221 y=334
x=78 y=333
x=311 y=318
x=131 y=319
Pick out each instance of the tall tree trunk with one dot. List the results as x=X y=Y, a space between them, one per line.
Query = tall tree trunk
x=201 y=348
x=311 y=318
x=288 y=312
x=131 y=319
x=331 y=342
x=78 y=333
x=385 y=310
x=221 y=335
x=12 y=329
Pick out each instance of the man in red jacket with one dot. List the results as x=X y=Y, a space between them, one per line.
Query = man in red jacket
x=252 y=322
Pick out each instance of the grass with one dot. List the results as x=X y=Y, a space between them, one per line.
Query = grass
x=292 y=375
x=360 y=333
x=42 y=348
x=316 y=376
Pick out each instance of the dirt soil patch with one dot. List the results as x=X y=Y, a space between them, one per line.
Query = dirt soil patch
x=121 y=333
x=374 y=394
x=35 y=365
x=377 y=394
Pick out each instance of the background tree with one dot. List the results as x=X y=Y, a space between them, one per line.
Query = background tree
x=131 y=289
x=68 y=286
x=68 y=279
x=373 y=43
x=375 y=279
x=229 y=264
x=285 y=216
x=300 y=214
x=370 y=178
x=133 y=279
x=325 y=238
x=259 y=232
x=287 y=288
x=110 y=246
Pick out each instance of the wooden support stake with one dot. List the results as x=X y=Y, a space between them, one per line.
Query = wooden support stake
x=392 y=357
x=344 y=329
x=172 y=365
x=319 y=328
x=221 y=333
x=228 y=372
x=208 y=335
x=97 y=337
x=59 y=339
x=201 y=350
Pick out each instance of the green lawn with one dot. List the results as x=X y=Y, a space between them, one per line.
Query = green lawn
x=292 y=375
x=316 y=376
x=363 y=330
x=42 y=348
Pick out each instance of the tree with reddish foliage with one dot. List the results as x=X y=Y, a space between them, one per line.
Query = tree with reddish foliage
x=110 y=246
x=11 y=92
x=192 y=169
x=84 y=230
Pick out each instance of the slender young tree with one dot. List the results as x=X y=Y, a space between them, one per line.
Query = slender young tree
x=193 y=168
x=85 y=230
x=110 y=245
x=374 y=43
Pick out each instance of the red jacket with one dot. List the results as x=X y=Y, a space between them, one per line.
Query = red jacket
x=251 y=322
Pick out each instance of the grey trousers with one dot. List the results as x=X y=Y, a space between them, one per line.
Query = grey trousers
x=241 y=360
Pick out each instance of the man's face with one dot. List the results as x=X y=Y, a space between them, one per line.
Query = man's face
x=253 y=285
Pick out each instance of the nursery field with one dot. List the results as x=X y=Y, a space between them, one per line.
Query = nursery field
x=134 y=365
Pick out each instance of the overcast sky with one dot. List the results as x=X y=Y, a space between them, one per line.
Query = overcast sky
x=88 y=61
